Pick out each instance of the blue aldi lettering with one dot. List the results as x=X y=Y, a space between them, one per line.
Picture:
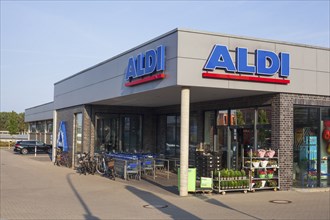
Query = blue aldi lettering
x=267 y=63
x=145 y=64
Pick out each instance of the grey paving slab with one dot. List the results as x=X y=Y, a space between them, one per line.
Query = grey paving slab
x=33 y=188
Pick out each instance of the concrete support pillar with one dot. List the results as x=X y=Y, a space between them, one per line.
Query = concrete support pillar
x=45 y=131
x=184 y=140
x=54 y=138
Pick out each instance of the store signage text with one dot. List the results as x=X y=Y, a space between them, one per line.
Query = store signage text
x=267 y=64
x=140 y=68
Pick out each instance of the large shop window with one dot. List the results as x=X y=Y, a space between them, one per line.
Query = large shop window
x=132 y=133
x=49 y=126
x=33 y=127
x=40 y=127
x=173 y=134
x=78 y=133
x=311 y=151
x=228 y=132
x=118 y=133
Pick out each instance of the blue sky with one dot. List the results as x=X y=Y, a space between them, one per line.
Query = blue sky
x=43 y=42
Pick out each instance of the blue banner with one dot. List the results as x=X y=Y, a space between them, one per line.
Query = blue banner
x=61 y=139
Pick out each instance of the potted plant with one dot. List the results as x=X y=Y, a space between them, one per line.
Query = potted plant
x=247 y=182
x=261 y=153
x=250 y=153
x=263 y=163
x=238 y=174
x=230 y=184
x=255 y=154
x=270 y=173
x=262 y=173
x=255 y=163
x=272 y=183
x=222 y=174
x=270 y=153
x=231 y=174
x=243 y=174
x=222 y=184
x=257 y=184
x=272 y=163
x=225 y=185
x=225 y=174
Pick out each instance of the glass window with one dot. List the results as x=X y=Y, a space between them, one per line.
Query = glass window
x=49 y=126
x=119 y=133
x=172 y=136
x=78 y=132
x=132 y=133
x=222 y=118
x=193 y=131
x=325 y=147
x=40 y=127
x=33 y=127
x=243 y=117
x=264 y=129
x=209 y=123
x=306 y=146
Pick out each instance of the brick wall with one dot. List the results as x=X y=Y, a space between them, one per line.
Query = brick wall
x=282 y=129
x=67 y=115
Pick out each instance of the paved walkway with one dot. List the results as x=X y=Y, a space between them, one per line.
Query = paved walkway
x=33 y=188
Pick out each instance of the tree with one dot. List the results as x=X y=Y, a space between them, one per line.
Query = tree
x=13 y=123
x=4 y=119
x=22 y=126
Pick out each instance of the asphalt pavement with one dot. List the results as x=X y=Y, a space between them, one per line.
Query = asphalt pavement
x=33 y=188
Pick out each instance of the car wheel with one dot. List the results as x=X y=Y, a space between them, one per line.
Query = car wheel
x=24 y=151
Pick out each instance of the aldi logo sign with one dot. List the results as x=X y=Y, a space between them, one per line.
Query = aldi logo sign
x=267 y=65
x=146 y=67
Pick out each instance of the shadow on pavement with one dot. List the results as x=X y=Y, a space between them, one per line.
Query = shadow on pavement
x=221 y=204
x=171 y=210
x=170 y=188
x=88 y=215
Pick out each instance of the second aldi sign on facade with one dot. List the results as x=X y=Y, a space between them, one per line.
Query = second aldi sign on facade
x=267 y=64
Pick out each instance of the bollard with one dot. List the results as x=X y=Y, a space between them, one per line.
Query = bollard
x=35 y=151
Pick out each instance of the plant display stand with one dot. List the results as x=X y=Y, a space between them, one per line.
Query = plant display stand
x=234 y=182
x=263 y=169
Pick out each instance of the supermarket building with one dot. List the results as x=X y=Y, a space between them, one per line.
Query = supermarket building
x=188 y=87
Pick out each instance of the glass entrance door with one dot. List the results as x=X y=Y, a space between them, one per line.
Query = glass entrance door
x=240 y=138
x=108 y=133
x=306 y=147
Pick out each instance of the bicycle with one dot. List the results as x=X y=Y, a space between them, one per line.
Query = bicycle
x=105 y=166
x=62 y=158
x=86 y=164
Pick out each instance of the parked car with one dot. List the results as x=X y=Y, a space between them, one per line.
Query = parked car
x=25 y=147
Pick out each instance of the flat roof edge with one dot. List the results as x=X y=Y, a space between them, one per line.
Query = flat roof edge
x=251 y=38
x=121 y=54
x=37 y=106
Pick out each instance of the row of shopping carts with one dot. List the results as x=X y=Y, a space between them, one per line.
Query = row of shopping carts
x=133 y=166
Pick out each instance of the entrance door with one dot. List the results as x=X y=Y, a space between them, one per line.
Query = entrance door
x=108 y=133
x=239 y=138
